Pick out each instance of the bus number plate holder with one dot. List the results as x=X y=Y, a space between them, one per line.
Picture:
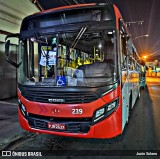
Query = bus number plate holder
x=56 y=126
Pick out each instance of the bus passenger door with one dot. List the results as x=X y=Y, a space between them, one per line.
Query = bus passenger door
x=125 y=97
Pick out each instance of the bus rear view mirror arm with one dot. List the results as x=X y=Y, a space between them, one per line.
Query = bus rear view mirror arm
x=13 y=63
x=12 y=36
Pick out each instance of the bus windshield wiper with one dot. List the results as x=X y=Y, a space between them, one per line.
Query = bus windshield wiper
x=78 y=37
x=76 y=40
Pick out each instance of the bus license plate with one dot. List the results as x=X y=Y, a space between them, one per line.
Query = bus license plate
x=56 y=126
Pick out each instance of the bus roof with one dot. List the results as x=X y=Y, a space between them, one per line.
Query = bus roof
x=70 y=7
x=74 y=14
x=66 y=7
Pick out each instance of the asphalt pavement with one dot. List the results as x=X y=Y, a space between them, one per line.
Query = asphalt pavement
x=142 y=133
x=9 y=126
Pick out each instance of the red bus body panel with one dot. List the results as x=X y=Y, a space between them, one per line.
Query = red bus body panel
x=107 y=128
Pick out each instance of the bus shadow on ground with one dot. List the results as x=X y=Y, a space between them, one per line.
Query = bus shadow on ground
x=140 y=127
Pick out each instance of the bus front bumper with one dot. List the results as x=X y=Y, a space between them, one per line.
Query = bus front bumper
x=107 y=128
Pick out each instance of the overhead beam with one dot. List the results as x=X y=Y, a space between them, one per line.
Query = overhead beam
x=5 y=32
x=37 y=4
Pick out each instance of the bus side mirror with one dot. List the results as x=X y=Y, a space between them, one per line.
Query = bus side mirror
x=7 y=50
x=7 y=46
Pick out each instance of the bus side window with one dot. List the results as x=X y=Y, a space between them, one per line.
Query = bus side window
x=123 y=52
x=130 y=63
x=123 y=45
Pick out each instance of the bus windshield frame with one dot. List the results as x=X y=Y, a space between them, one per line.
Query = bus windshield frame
x=80 y=59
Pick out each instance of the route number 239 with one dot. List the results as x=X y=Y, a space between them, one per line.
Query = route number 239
x=77 y=111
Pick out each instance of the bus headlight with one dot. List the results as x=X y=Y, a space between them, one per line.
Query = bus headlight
x=105 y=111
x=111 y=106
x=99 y=112
x=22 y=108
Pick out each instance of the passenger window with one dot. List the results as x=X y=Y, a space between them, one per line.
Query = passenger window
x=123 y=45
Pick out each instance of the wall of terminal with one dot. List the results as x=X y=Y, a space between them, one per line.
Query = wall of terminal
x=11 y=14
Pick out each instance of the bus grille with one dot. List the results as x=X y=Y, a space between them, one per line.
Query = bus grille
x=61 y=97
x=72 y=126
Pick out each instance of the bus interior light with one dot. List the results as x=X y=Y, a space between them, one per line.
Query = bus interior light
x=110 y=33
x=100 y=45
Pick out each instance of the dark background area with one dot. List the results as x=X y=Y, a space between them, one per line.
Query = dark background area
x=131 y=10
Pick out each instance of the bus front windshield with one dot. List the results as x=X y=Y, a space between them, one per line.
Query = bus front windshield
x=69 y=59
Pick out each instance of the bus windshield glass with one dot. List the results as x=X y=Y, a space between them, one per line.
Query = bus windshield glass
x=79 y=59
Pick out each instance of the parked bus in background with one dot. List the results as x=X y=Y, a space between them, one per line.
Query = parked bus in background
x=77 y=75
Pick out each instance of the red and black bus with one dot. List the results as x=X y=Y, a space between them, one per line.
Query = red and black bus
x=77 y=75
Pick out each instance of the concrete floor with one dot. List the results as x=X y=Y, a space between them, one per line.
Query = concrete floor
x=142 y=132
